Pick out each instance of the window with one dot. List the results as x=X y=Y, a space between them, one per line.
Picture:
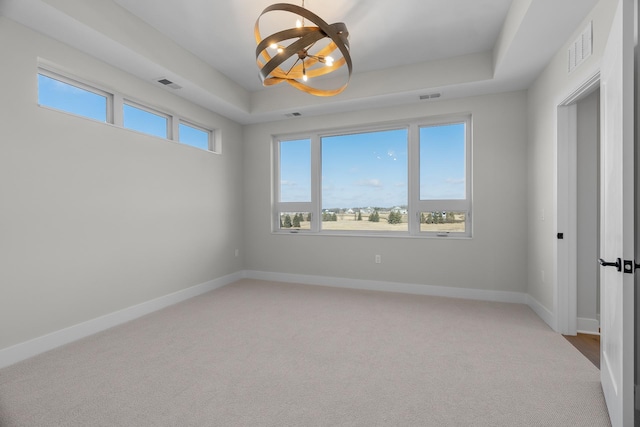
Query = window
x=194 y=136
x=73 y=97
x=145 y=120
x=294 y=207
x=364 y=181
x=444 y=201
x=412 y=179
x=68 y=94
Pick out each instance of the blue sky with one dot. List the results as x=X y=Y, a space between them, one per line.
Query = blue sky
x=62 y=96
x=365 y=169
x=144 y=121
x=371 y=169
x=295 y=173
x=442 y=168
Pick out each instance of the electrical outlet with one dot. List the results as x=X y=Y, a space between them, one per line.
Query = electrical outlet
x=378 y=259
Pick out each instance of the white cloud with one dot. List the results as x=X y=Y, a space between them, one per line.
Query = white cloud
x=369 y=183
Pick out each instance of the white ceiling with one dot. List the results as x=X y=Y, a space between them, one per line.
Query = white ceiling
x=400 y=48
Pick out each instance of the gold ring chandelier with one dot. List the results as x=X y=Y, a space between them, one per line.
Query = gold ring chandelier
x=295 y=62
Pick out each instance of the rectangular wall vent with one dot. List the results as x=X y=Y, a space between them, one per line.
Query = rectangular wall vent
x=431 y=96
x=581 y=48
x=169 y=83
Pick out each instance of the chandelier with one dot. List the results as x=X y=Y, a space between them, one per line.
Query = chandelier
x=296 y=55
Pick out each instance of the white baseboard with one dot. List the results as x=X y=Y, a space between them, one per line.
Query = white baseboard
x=407 y=288
x=27 y=349
x=547 y=316
x=588 y=326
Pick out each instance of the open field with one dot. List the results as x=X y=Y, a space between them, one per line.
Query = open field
x=348 y=222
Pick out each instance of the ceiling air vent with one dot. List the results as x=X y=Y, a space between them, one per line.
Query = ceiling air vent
x=296 y=114
x=431 y=96
x=169 y=83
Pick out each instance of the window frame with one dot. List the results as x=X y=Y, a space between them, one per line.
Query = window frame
x=77 y=83
x=115 y=108
x=210 y=134
x=456 y=205
x=310 y=206
x=415 y=205
x=142 y=107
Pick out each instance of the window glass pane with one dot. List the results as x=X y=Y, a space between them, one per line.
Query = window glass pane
x=364 y=181
x=295 y=220
x=365 y=219
x=443 y=222
x=193 y=136
x=144 y=121
x=64 y=96
x=442 y=162
x=295 y=171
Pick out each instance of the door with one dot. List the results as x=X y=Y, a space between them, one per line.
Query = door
x=617 y=217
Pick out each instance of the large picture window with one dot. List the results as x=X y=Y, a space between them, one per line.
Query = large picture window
x=364 y=181
x=413 y=179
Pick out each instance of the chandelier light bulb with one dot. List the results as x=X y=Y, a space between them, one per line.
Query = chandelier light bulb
x=298 y=23
x=328 y=61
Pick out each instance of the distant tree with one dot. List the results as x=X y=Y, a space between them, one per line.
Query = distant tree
x=422 y=218
x=281 y=226
x=359 y=216
x=309 y=217
x=437 y=218
x=429 y=219
x=374 y=217
x=395 y=217
x=287 y=221
x=450 y=217
x=296 y=220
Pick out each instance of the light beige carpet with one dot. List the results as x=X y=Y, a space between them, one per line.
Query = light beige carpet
x=272 y=354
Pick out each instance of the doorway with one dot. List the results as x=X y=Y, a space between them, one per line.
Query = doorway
x=577 y=207
x=587 y=341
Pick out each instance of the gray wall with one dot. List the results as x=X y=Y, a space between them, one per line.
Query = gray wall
x=95 y=218
x=552 y=87
x=494 y=259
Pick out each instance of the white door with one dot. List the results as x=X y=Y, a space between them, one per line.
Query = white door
x=617 y=217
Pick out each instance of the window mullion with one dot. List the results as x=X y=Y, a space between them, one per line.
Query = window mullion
x=316 y=183
x=413 y=179
x=118 y=110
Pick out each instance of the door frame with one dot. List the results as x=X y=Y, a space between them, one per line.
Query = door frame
x=566 y=206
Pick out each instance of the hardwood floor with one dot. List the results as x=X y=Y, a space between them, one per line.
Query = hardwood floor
x=589 y=346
